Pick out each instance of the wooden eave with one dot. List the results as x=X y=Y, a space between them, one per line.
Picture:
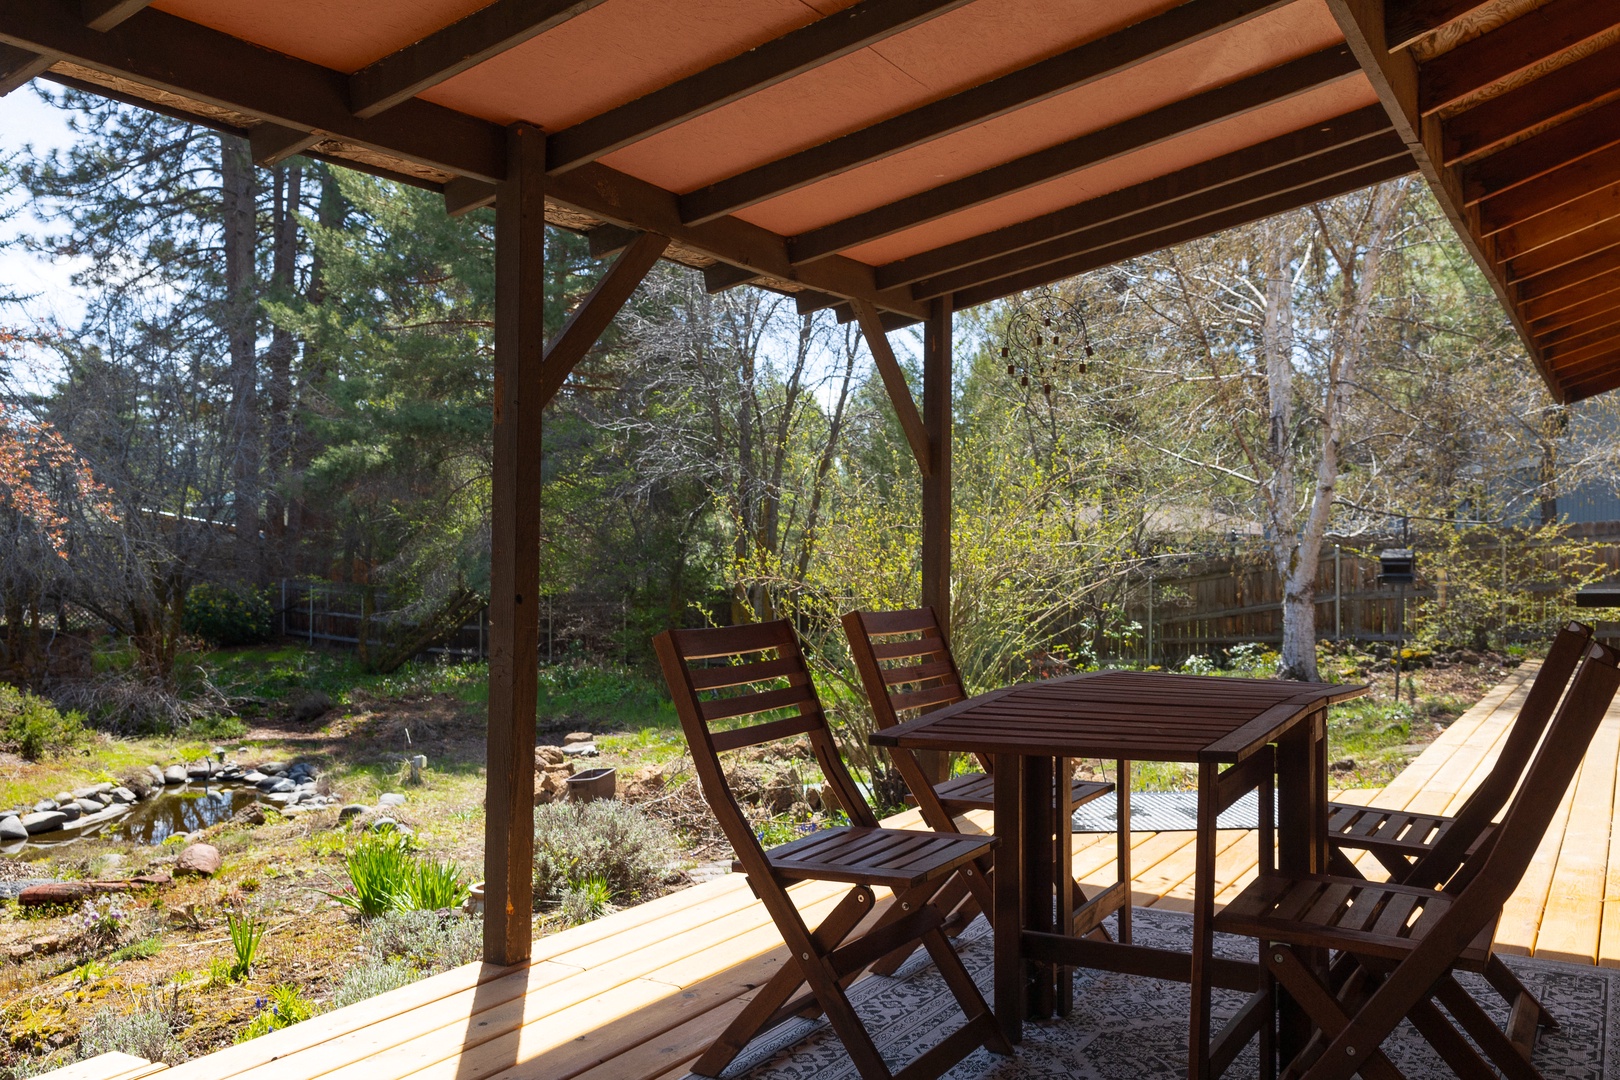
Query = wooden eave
x=871 y=156
x=1512 y=112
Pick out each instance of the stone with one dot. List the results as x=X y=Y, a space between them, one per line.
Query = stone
x=392 y=798
x=93 y=789
x=581 y=750
x=578 y=737
x=1343 y=765
x=69 y=810
x=156 y=774
x=174 y=774
x=89 y=806
x=43 y=821
x=350 y=812
x=254 y=776
x=281 y=786
x=643 y=784
x=310 y=705
x=550 y=786
x=383 y=824
x=274 y=768
x=201 y=859
x=63 y=797
x=249 y=815
x=44 y=805
x=197 y=770
x=123 y=794
x=12 y=828
x=548 y=755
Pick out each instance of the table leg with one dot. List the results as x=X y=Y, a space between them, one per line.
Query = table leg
x=1198 y=1027
x=1063 y=875
x=1007 y=918
x=1122 y=843
x=1039 y=874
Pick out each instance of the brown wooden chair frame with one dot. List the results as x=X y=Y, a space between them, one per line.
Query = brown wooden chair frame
x=905 y=664
x=914 y=864
x=1407 y=941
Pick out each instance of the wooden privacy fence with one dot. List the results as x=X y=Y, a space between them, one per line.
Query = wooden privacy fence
x=1231 y=601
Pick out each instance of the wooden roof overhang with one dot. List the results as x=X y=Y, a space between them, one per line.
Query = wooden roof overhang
x=1512 y=110
x=888 y=152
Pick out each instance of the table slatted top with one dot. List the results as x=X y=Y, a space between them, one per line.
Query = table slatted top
x=1141 y=716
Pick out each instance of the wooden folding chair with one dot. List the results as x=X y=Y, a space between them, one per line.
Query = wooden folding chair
x=1426 y=849
x=906 y=666
x=1405 y=942
x=741 y=686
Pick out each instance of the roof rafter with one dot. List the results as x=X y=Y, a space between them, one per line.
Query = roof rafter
x=1266 y=188
x=106 y=14
x=775 y=61
x=1591 y=173
x=1068 y=70
x=193 y=62
x=463 y=44
x=19 y=66
x=1215 y=173
x=1412 y=19
x=995 y=289
x=1509 y=49
x=1567 y=220
x=1555 y=96
x=1189 y=114
x=1541 y=154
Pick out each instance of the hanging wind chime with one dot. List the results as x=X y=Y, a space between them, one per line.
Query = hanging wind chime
x=1046 y=340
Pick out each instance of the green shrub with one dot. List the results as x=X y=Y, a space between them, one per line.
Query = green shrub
x=146 y=1032
x=32 y=727
x=225 y=617
x=433 y=886
x=370 y=978
x=431 y=940
x=607 y=841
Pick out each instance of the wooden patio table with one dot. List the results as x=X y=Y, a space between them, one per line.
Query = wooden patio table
x=1241 y=733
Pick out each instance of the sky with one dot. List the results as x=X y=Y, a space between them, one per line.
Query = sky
x=25 y=120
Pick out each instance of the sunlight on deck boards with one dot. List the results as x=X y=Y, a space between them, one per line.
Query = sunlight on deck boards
x=639 y=994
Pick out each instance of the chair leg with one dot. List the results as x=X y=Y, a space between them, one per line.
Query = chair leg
x=1437 y=1030
x=904 y=904
x=763 y=1010
x=1324 y=1010
x=1516 y=993
x=966 y=992
x=1514 y=1062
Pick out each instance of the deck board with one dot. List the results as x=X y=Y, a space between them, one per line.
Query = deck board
x=639 y=994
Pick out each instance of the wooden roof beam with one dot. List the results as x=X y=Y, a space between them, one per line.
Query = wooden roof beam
x=1598 y=265
x=1555 y=96
x=1189 y=114
x=1573 y=305
x=1561 y=346
x=1578 y=364
x=722 y=276
x=1411 y=19
x=271 y=144
x=1394 y=77
x=462 y=45
x=1076 y=67
x=1513 y=47
x=1561 y=253
x=1558 y=188
x=1580 y=328
x=1264 y=188
x=894 y=381
x=773 y=62
x=103 y=15
x=1568 y=220
x=985 y=291
x=19 y=67
x=1228 y=169
x=158 y=50
x=596 y=311
x=1541 y=154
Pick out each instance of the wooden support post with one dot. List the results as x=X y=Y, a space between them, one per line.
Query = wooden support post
x=936 y=487
x=894 y=381
x=514 y=613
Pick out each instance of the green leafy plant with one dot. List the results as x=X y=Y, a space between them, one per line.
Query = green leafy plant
x=226 y=617
x=606 y=840
x=380 y=871
x=590 y=899
x=372 y=977
x=283 y=1006
x=246 y=934
x=433 y=886
x=89 y=971
x=220 y=972
x=34 y=728
x=144 y=949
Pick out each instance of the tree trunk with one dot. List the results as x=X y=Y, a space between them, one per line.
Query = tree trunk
x=241 y=319
x=288 y=182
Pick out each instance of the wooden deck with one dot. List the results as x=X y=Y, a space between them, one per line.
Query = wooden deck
x=637 y=995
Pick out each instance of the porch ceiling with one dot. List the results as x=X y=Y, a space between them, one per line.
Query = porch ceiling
x=891 y=151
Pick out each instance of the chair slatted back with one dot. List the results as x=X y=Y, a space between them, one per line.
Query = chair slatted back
x=1483 y=886
x=733 y=676
x=1488 y=799
x=905 y=663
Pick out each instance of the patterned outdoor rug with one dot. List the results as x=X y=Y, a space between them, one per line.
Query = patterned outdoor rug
x=1164 y=811
x=1135 y=1028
